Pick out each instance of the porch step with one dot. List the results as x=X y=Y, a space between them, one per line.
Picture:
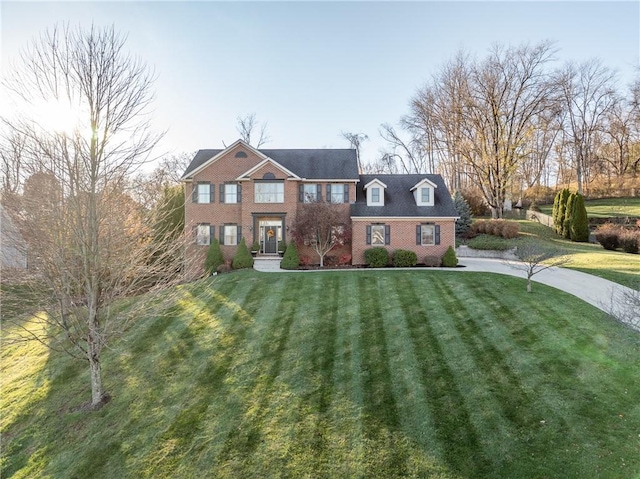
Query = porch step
x=267 y=263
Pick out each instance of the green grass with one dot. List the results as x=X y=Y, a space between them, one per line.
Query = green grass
x=607 y=208
x=339 y=374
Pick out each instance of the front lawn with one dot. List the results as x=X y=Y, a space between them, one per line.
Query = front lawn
x=376 y=374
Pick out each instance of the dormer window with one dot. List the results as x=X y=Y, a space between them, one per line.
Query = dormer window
x=423 y=192
x=375 y=192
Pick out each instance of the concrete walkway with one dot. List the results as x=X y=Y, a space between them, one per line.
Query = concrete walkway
x=601 y=293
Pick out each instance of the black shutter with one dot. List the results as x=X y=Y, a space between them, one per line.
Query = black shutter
x=437 y=228
x=328 y=192
x=301 y=194
x=346 y=193
x=387 y=234
x=368 y=234
x=212 y=233
x=222 y=193
x=221 y=234
x=195 y=234
x=239 y=233
x=319 y=192
x=418 y=234
x=194 y=193
x=239 y=193
x=212 y=192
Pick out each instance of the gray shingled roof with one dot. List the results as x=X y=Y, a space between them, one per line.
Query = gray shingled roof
x=399 y=199
x=339 y=164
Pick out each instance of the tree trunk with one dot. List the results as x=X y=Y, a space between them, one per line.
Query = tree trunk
x=97 y=393
x=529 y=284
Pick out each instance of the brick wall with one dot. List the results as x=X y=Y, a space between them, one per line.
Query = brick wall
x=403 y=236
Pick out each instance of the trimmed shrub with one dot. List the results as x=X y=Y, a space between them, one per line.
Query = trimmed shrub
x=562 y=208
x=450 y=260
x=510 y=229
x=225 y=268
x=290 y=260
x=255 y=246
x=464 y=212
x=344 y=259
x=503 y=228
x=608 y=235
x=242 y=259
x=214 y=257
x=403 y=258
x=433 y=261
x=630 y=240
x=579 y=228
x=377 y=257
x=556 y=208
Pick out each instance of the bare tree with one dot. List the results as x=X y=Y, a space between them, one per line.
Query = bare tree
x=355 y=140
x=90 y=239
x=322 y=225
x=248 y=129
x=589 y=95
x=535 y=258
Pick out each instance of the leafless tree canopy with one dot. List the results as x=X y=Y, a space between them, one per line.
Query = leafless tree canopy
x=251 y=132
x=535 y=258
x=88 y=240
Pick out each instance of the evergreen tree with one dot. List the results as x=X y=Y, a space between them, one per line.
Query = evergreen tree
x=562 y=207
x=464 y=212
x=450 y=260
x=242 y=258
x=568 y=216
x=556 y=207
x=214 y=257
x=290 y=260
x=580 y=221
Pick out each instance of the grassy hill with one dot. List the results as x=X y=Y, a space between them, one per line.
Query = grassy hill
x=339 y=374
x=607 y=207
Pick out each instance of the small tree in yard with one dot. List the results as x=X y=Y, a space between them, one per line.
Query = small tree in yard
x=214 y=257
x=536 y=258
x=323 y=225
x=450 y=260
x=464 y=212
x=242 y=258
x=82 y=109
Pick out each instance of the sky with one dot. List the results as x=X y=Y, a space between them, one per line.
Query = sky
x=313 y=69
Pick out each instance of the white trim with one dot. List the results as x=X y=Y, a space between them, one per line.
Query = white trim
x=375 y=180
x=222 y=153
x=251 y=171
x=425 y=180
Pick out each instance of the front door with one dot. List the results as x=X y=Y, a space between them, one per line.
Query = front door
x=270 y=240
x=270 y=234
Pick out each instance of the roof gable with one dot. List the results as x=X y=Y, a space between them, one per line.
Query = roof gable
x=424 y=181
x=248 y=173
x=205 y=158
x=375 y=181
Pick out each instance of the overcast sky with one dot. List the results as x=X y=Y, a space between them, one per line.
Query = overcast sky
x=311 y=69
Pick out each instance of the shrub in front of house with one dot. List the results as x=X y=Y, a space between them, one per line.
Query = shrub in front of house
x=630 y=240
x=450 y=260
x=214 y=257
x=403 y=258
x=608 y=235
x=377 y=257
x=290 y=260
x=433 y=261
x=242 y=259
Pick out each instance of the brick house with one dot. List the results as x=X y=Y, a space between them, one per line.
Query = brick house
x=242 y=192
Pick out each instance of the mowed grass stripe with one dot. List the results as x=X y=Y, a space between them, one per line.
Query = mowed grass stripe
x=440 y=363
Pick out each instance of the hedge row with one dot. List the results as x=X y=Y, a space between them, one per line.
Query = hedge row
x=378 y=257
x=502 y=228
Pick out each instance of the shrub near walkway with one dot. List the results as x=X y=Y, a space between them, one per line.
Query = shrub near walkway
x=445 y=374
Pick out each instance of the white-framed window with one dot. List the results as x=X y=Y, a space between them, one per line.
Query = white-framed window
x=230 y=193
x=203 y=193
x=425 y=194
x=230 y=235
x=309 y=192
x=427 y=235
x=203 y=234
x=375 y=194
x=377 y=235
x=338 y=193
x=269 y=192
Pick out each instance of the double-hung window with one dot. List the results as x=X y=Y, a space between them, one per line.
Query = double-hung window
x=203 y=193
x=309 y=193
x=428 y=234
x=375 y=194
x=267 y=192
x=425 y=194
x=230 y=235
x=203 y=234
x=338 y=193
x=230 y=193
x=378 y=235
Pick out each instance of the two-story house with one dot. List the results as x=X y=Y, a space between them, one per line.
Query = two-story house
x=242 y=191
